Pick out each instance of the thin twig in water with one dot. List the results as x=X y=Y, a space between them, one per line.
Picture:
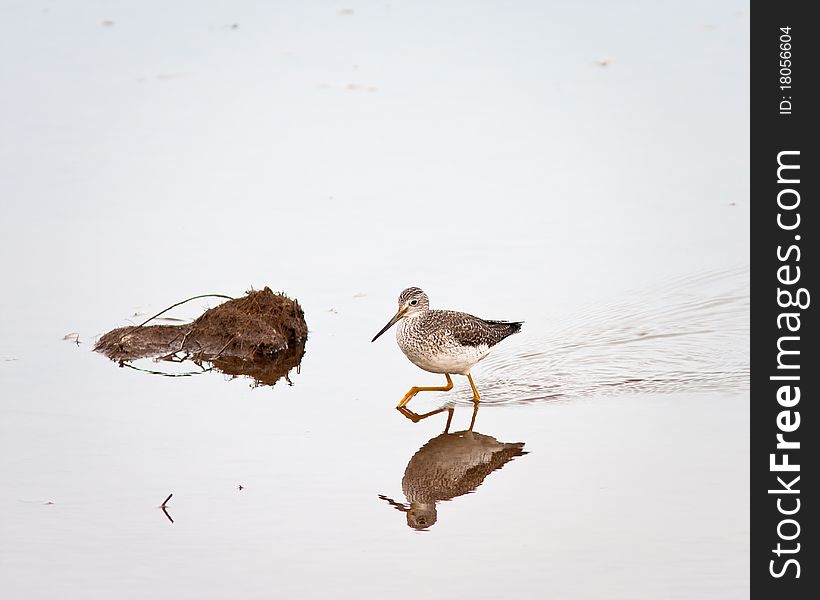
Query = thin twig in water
x=164 y=507
x=211 y=359
x=169 y=308
x=163 y=374
x=184 y=339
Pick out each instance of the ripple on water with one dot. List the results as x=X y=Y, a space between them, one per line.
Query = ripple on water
x=688 y=334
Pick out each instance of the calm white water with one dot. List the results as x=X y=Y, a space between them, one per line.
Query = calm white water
x=477 y=151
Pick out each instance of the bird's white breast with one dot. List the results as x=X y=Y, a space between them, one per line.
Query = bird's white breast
x=438 y=353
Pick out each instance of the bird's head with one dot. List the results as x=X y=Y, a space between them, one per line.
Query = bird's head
x=412 y=302
x=422 y=515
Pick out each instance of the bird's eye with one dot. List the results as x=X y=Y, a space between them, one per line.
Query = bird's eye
x=413 y=302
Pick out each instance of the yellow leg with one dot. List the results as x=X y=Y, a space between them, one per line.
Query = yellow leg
x=415 y=417
x=415 y=390
x=476 y=397
x=475 y=412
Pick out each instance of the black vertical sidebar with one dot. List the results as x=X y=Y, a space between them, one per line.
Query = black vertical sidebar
x=784 y=222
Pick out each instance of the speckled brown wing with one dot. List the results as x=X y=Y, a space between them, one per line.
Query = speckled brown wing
x=474 y=331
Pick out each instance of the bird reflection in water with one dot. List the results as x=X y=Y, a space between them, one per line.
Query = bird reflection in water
x=448 y=466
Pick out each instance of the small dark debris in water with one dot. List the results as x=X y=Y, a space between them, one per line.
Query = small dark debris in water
x=261 y=335
x=164 y=507
x=732 y=203
x=241 y=487
x=72 y=337
x=49 y=503
x=107 y=23
x=603 y=62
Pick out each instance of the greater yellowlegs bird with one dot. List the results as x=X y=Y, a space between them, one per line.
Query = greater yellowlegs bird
x=443 y=341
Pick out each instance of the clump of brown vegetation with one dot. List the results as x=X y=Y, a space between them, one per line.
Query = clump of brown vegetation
x=262 y=334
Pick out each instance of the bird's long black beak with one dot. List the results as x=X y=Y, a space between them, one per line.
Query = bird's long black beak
x=390 y=324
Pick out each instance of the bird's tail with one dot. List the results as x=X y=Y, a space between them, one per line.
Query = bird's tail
x=506 y=327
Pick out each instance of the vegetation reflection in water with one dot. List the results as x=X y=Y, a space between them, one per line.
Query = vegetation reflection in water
x=447 y=466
